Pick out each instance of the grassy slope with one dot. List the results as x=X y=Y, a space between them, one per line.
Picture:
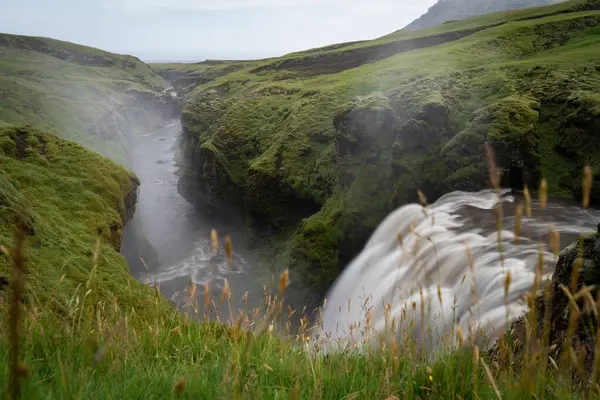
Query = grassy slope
x=76 y=309
x=92 y=332
x=80 y=93
x=311 y=131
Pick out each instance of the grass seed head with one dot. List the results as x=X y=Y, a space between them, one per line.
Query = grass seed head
x=225 y=292
x=543 y=193
x=527 y=201
x=228 y=249
x=587 y=186
x=214 y=240
x=179 y=387
x=206 y=295
x=283 y=280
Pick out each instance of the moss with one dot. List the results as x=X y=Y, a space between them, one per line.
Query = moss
x=510 y=126
x=324 y=242
x=371 y=133
x=71 y=199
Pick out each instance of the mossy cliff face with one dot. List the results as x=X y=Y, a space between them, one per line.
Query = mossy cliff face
x=318 y=160
x=71 y=198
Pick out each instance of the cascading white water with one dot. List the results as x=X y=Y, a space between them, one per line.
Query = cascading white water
x=416 y=265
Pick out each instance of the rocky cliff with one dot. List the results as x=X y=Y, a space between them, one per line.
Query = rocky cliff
x=317 y=147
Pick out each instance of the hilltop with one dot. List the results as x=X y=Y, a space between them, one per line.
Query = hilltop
x=317 y=147
x=453 y=10
x=94 y=97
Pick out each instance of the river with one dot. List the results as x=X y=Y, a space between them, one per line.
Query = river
x=179 y=234
x=180 y=237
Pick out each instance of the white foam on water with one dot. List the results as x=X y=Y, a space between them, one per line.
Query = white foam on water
x=404 y=274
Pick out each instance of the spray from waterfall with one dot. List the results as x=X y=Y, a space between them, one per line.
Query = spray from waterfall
x=428 y=272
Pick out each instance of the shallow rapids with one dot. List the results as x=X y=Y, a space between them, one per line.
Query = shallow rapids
x=428 y=271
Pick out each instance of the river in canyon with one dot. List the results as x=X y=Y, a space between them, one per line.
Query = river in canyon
x=180 y=238
x=179 y=235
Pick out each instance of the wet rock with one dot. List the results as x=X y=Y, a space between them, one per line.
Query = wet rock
x=578 y=268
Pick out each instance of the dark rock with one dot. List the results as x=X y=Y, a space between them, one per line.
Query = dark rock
x=578 y=267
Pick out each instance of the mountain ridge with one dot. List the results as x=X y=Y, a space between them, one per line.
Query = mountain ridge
x=445 y=11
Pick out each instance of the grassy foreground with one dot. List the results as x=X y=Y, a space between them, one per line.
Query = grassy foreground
x=87 y=330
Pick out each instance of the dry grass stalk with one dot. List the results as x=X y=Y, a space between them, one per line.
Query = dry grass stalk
x=283 y=280
x=587 y=186
x=179 y=387
x=527 y=196
x=228 y=249
x=17 y=259
x=490 y=379
x=214 y=240
x=493 y=171
x=206 y=295
x=543 y=193
x=225 y=293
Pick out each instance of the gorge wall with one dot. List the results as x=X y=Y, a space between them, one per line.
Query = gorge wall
x=314 y=161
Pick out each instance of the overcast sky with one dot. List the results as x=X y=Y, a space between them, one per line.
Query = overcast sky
x=199 y=29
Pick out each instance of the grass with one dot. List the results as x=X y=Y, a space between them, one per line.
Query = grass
x=268 y=135
x=295 y=133
x=99 y=334
x=80 y=93
x=71 y=196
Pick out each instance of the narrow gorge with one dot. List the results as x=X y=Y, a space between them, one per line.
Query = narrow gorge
x=203 y=214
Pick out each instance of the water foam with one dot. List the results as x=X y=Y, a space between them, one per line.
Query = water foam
x=416 y=263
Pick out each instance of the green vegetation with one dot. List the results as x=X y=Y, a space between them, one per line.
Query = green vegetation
x=96 y=98
x=320 y=145
x=89 y=331
x=71 y=197
x=316 y=147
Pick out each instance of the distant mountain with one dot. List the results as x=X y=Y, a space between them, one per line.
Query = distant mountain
x=449 y=10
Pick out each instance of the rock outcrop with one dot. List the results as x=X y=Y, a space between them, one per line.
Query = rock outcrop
x=315 y=157
x=565 y=317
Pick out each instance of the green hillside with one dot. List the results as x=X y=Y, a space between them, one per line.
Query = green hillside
x=314 y=148
x=321 y=145
x=96 y=98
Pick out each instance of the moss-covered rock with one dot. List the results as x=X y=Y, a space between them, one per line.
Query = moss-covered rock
x=71 y=197
x=291 y=144
x=509 y=125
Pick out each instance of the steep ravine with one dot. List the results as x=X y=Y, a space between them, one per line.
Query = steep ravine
x=173 y=237
x=313 y=163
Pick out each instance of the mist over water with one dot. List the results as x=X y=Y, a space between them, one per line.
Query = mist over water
x=417 y=264
x=412 y=253
x=178 y=233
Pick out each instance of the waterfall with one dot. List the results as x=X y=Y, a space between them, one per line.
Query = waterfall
x=430 y=270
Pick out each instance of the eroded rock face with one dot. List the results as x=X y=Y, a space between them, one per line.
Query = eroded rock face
x=578 y=269
x=578 y=266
